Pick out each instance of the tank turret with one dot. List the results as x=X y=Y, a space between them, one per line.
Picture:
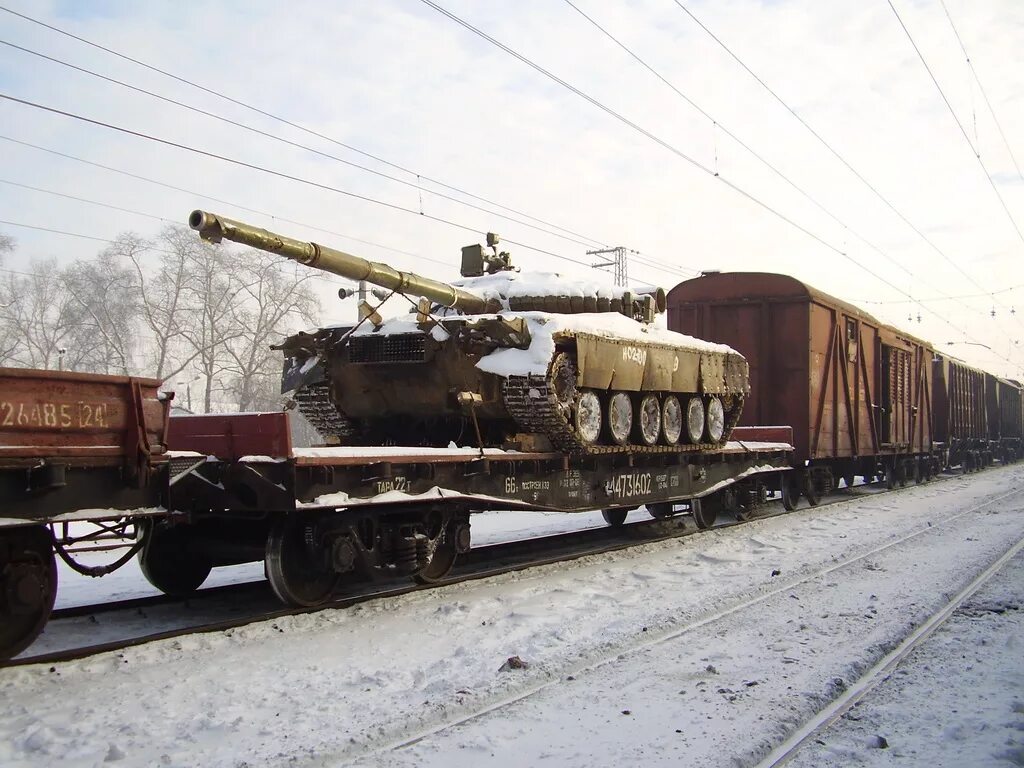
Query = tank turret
x=502 y=359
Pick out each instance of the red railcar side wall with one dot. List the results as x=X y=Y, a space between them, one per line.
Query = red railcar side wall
x=762 y=331
x=848 y=385
x=961 y=413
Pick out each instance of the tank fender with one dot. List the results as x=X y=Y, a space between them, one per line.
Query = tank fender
x=301 y=370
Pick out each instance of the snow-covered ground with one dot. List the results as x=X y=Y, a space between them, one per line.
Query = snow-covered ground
x=705 y=651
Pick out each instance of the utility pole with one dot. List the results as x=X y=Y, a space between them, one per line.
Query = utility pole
x=614 y=257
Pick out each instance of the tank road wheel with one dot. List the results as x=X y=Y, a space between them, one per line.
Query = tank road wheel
x=648 y=423
x=588 y=417
x=694 y=420
x=167 y=563
x=455 y=539
x=296 y=566
x=620 y=418
x=28 y=586
x=614 y=517
x=704 y=511
x=715 y=420
x=788 y=490
x=671 y=420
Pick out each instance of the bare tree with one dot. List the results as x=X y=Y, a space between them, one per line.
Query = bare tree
x=41 y=313
x=6 y=243
x=270 y=300
x=208 y=314
x=104 y=309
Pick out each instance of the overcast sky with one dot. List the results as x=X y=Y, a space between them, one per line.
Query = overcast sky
x=400 y=81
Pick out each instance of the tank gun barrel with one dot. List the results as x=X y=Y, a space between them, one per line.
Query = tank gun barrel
x=214 y=228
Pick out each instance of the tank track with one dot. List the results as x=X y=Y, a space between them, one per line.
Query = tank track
x=535 y=408
x=314 y=403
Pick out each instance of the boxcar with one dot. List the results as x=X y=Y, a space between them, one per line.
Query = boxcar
x=856 y=391
x=1011 y=428
x=965 y=398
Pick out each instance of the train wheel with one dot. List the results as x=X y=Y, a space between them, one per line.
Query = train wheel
x=789 y=492
x=620 y=418
x=918 y=472
x=441 y=564
x=811 y=491
x=588 y=417
x=28 y=586
x=296 y=566
x=615 y=517
x=901 y=474
x=661 y=511
x=704 y=511
x=694 y=420
x=848 y=479
x=715 y=420
x=890 y=477
x=648 y=425
x=167 y=562
x=672 y=420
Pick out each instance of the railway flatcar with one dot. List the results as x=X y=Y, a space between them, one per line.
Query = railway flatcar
x=83 y=467
x=857 y=392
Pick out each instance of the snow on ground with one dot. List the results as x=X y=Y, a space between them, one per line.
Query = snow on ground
x=619 y=667
x=957 y=700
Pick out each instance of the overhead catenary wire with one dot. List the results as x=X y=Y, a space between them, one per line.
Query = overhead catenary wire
x=278 y=174
x=336 y=280
x=984 y=94
x=674 y=150
x=289 y=142
x=717 y=124
x=974 y=150
x=284 y=121
x=829 y=147
x=204 y=196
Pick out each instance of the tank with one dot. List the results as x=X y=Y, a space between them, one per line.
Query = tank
x=503 y=359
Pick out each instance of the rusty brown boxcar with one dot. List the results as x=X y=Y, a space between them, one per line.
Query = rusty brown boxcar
x=857 y=392
x=977 y=415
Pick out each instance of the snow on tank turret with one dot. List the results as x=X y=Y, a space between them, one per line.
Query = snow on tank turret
x=500 y=358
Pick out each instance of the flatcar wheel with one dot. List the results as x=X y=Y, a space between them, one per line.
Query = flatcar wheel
x=672 y=420
x=661 y=511
x=620 y=418
x=648 y=425
x=614 y=517
x=811 y=491
x=695 y=420
x=788 y=491
x=28 y=587
x=588 y=417
x=296 y=567
x=715 y=420
x=704 y=511
x=441 y=562
x=168 y=564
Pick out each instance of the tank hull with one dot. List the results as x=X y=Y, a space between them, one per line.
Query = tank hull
x=447 y=382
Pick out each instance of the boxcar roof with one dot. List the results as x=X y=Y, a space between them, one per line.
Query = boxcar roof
x=733 y=286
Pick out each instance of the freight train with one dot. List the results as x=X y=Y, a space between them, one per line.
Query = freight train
x=864 y=398
x=92 y=463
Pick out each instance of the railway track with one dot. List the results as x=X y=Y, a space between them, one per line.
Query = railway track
x=408 y=739
x=479 y=563
x=881 y=671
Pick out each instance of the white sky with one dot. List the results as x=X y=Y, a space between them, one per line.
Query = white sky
x=399 y=80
